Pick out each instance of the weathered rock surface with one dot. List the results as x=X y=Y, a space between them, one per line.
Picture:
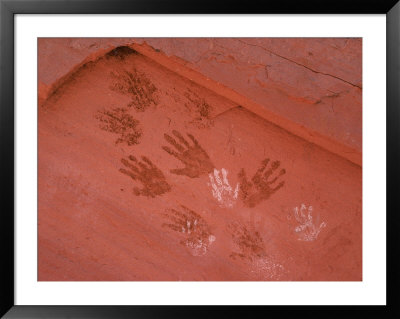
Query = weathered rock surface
x=145 y=175
x=316 y=82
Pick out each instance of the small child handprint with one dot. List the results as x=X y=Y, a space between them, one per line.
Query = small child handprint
x=307 y=230
x=222 y=190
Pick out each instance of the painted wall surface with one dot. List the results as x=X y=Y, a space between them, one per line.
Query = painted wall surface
x=146 y=175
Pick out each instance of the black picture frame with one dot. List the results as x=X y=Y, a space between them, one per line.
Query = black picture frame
x=8 y=10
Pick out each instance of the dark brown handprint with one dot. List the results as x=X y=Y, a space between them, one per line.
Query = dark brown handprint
x=200 y=109
x=148 y=174
x=262 y=184
x=192 y=227
x=138 y=87
x=119 y=121
x=250 y=244
x=195 y=158
x=252 y=251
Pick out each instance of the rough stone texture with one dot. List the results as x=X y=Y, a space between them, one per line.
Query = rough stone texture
x=145 y=175
x=316 y=82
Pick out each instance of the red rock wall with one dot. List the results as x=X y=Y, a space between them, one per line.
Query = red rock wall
x=146 y=175
x=316 y=82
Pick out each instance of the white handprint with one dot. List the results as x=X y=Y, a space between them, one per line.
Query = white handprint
x=222 y=190
x=307 y=230
x=198 y=244
x=194 y=230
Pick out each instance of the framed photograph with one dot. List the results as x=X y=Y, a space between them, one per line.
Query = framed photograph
x=159 y=155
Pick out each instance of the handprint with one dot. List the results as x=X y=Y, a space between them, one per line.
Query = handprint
x=119 y=121
x=252 y=251
x=195 y=158
x=222 y=190
x=138 y=87
x=200 y=109
x=148 y=174
x=250 y=244
x=307 y=230
x=261 y=186
x=195 y=231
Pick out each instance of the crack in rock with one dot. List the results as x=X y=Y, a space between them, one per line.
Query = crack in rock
x=299 y=64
